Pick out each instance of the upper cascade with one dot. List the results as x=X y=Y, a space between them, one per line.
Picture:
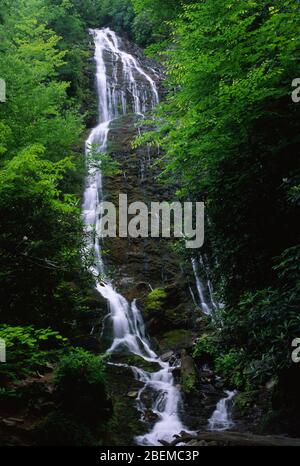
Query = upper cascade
x=123 y=85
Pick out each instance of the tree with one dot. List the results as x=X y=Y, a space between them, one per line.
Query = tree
x=230 y=134
x=40 y=237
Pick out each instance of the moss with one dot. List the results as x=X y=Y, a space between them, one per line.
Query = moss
x=155 y=300
x=188 y=372
x=189 y=382
x=125 y=424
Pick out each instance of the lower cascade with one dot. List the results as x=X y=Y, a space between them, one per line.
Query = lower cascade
x=221 y=418
x=135 y=93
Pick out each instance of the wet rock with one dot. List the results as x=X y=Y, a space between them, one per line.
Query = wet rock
x=136 y=361
x=229 y=438
x=175 y=340
x=132 y=394
x=219 y=384
x=149 y=262
x=95 y=301
x=201 y=403
x=193 y=443
x=167 y=356
x=150 y=416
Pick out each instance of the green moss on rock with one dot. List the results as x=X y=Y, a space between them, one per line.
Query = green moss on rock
x=155 y=300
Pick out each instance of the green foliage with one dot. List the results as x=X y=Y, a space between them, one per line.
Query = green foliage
x=155 y=300
x=189 y=382
x=29 y=350
x=265 y=323
x=44 y=277
x=244 y=402
x=80 y=386
x=41 y=172
x=71 y=18
x=79 y=367
x=151 y=24
x=205 y=345
x=254 y=343
x=118 y=14
x=229 y=132
x=37 y=108
x=230 y=366
x=40 y=237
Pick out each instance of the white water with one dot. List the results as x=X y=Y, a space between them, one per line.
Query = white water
x=200 y=289
x=124 y=86
x=221 y=418
x=204 y=286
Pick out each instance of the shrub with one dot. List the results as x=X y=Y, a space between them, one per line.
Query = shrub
x=230 y=366
x=80 y=385
x=205 y=345
x=28 y=350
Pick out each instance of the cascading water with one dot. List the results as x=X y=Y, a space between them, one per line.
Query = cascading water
x=221 y=418
x=123 y=87
x=204 y=286
x=200 y=288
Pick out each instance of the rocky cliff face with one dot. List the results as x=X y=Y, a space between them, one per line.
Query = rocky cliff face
x=141 y=265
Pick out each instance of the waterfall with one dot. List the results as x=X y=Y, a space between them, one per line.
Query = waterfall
x=221 y=418
x=204 y=286
x=200 y=288
x=125 y=87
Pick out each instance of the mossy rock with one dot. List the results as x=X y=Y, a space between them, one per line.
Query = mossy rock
x=188 y=372
x=155 y=300
x=125 y=423
x=175 y=340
